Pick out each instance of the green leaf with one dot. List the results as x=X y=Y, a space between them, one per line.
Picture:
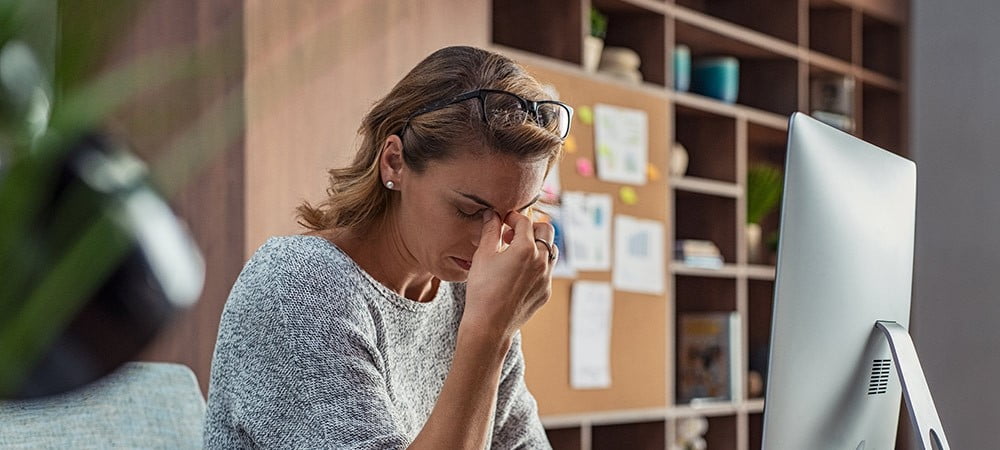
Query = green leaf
x=763 y=191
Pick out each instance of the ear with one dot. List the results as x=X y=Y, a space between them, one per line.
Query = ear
x=391 y=160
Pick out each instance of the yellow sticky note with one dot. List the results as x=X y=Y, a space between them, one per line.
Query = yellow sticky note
x=628 y=195
x=586 y=115
x=652 y=172
x=570 y=144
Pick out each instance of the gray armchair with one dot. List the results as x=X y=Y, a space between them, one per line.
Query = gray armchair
x=142 y=405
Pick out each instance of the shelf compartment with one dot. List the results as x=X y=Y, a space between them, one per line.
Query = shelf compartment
x=640 y=29
x=838 y=80
x=882 y=118
x=831 y=29
x=552 y=28
x=881 y=46
x=767 y=145
x=721 y=432
x=565 y=438
x=704 y=294
x=714 y=106
x=755 y=423
x=641 y=435
x=707 y=217
x=697 y=295
x=710 y=140
x=773 y=76
x=777 y=18
x=760 y=306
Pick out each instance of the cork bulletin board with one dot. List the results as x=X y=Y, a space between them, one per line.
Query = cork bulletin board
x=640 y=322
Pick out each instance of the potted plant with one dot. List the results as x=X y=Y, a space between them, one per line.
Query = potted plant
x=593 y=44
x=763 y=194
x=93 y=262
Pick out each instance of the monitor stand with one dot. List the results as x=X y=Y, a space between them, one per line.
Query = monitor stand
x=923 y=413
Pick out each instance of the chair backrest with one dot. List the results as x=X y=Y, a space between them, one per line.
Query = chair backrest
x=141 y=405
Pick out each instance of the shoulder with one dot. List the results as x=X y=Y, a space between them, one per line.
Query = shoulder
x=300 y=277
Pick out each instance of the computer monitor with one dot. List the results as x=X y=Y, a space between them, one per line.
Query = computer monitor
x=845 y=262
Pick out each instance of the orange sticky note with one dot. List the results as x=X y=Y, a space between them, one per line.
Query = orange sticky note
x=570 y=144
x=652 y=172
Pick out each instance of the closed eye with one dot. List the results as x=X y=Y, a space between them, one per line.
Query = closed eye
x=469 y=216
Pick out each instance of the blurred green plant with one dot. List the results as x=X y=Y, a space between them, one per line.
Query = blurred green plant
x=54 y=96
x=763 y=191
x=598 y=23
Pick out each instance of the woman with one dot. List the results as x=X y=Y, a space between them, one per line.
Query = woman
x=394 y=321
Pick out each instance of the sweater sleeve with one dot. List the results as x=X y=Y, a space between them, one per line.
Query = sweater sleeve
x=289 y=390
x=516 y=424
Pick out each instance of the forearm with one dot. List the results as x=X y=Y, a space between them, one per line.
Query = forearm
x=461 y=417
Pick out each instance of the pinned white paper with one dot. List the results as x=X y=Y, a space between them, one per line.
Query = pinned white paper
x=587 y=219
x=639 y=255
x=621 y=144
x=590 y=335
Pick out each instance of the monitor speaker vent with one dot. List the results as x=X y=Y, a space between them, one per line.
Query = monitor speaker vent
x=880 y=376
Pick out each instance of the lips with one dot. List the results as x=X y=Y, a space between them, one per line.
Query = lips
x=463 y=263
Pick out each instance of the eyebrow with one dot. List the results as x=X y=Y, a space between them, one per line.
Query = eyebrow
x=487 y=204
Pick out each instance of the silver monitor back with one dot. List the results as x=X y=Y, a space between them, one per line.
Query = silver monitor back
x=845 y=261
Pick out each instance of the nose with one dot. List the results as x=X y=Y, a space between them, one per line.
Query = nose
x=475 y=234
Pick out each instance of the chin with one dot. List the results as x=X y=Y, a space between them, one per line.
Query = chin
x=453 y=276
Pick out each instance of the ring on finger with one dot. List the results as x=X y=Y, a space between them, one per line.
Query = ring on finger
x=549 y=247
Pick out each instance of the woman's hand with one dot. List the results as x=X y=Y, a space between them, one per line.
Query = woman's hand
x=507 y=285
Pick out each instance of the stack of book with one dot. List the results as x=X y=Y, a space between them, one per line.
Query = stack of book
x=832 y=101
x=698 y=253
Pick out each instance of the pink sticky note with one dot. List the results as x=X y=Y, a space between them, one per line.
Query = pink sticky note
x=584 y=167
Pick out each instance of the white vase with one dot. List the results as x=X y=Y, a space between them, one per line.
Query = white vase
x=755 y=247
x=592 y=48
x=678 y=160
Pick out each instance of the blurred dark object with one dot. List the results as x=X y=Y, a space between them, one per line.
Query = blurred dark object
x=92 y=260
x=159 y=272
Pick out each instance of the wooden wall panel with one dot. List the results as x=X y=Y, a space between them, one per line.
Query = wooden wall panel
x=313 y=69
x=194 y=159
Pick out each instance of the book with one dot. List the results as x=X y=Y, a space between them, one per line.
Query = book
x=708 y=366
x=705 y=262
x=698 y=253
x=694 y=247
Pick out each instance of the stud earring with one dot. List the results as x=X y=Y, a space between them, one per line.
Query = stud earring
x=390 y=184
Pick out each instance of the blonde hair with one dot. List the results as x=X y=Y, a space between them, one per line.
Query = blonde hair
x=356 y=197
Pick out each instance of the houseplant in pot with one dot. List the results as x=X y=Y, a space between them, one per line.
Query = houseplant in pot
x=763 y=194
x=593 y=43
x=93 y=261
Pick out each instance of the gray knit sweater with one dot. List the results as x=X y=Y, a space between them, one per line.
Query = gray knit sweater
x=315 y=353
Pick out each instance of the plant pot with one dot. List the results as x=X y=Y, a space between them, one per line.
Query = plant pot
x=756 y=253
x=592 y=48
x=678 y=160
x=150 y=269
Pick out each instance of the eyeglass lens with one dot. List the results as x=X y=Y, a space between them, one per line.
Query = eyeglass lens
x=503 y=109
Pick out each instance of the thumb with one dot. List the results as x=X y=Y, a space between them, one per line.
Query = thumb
x=489 y=241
